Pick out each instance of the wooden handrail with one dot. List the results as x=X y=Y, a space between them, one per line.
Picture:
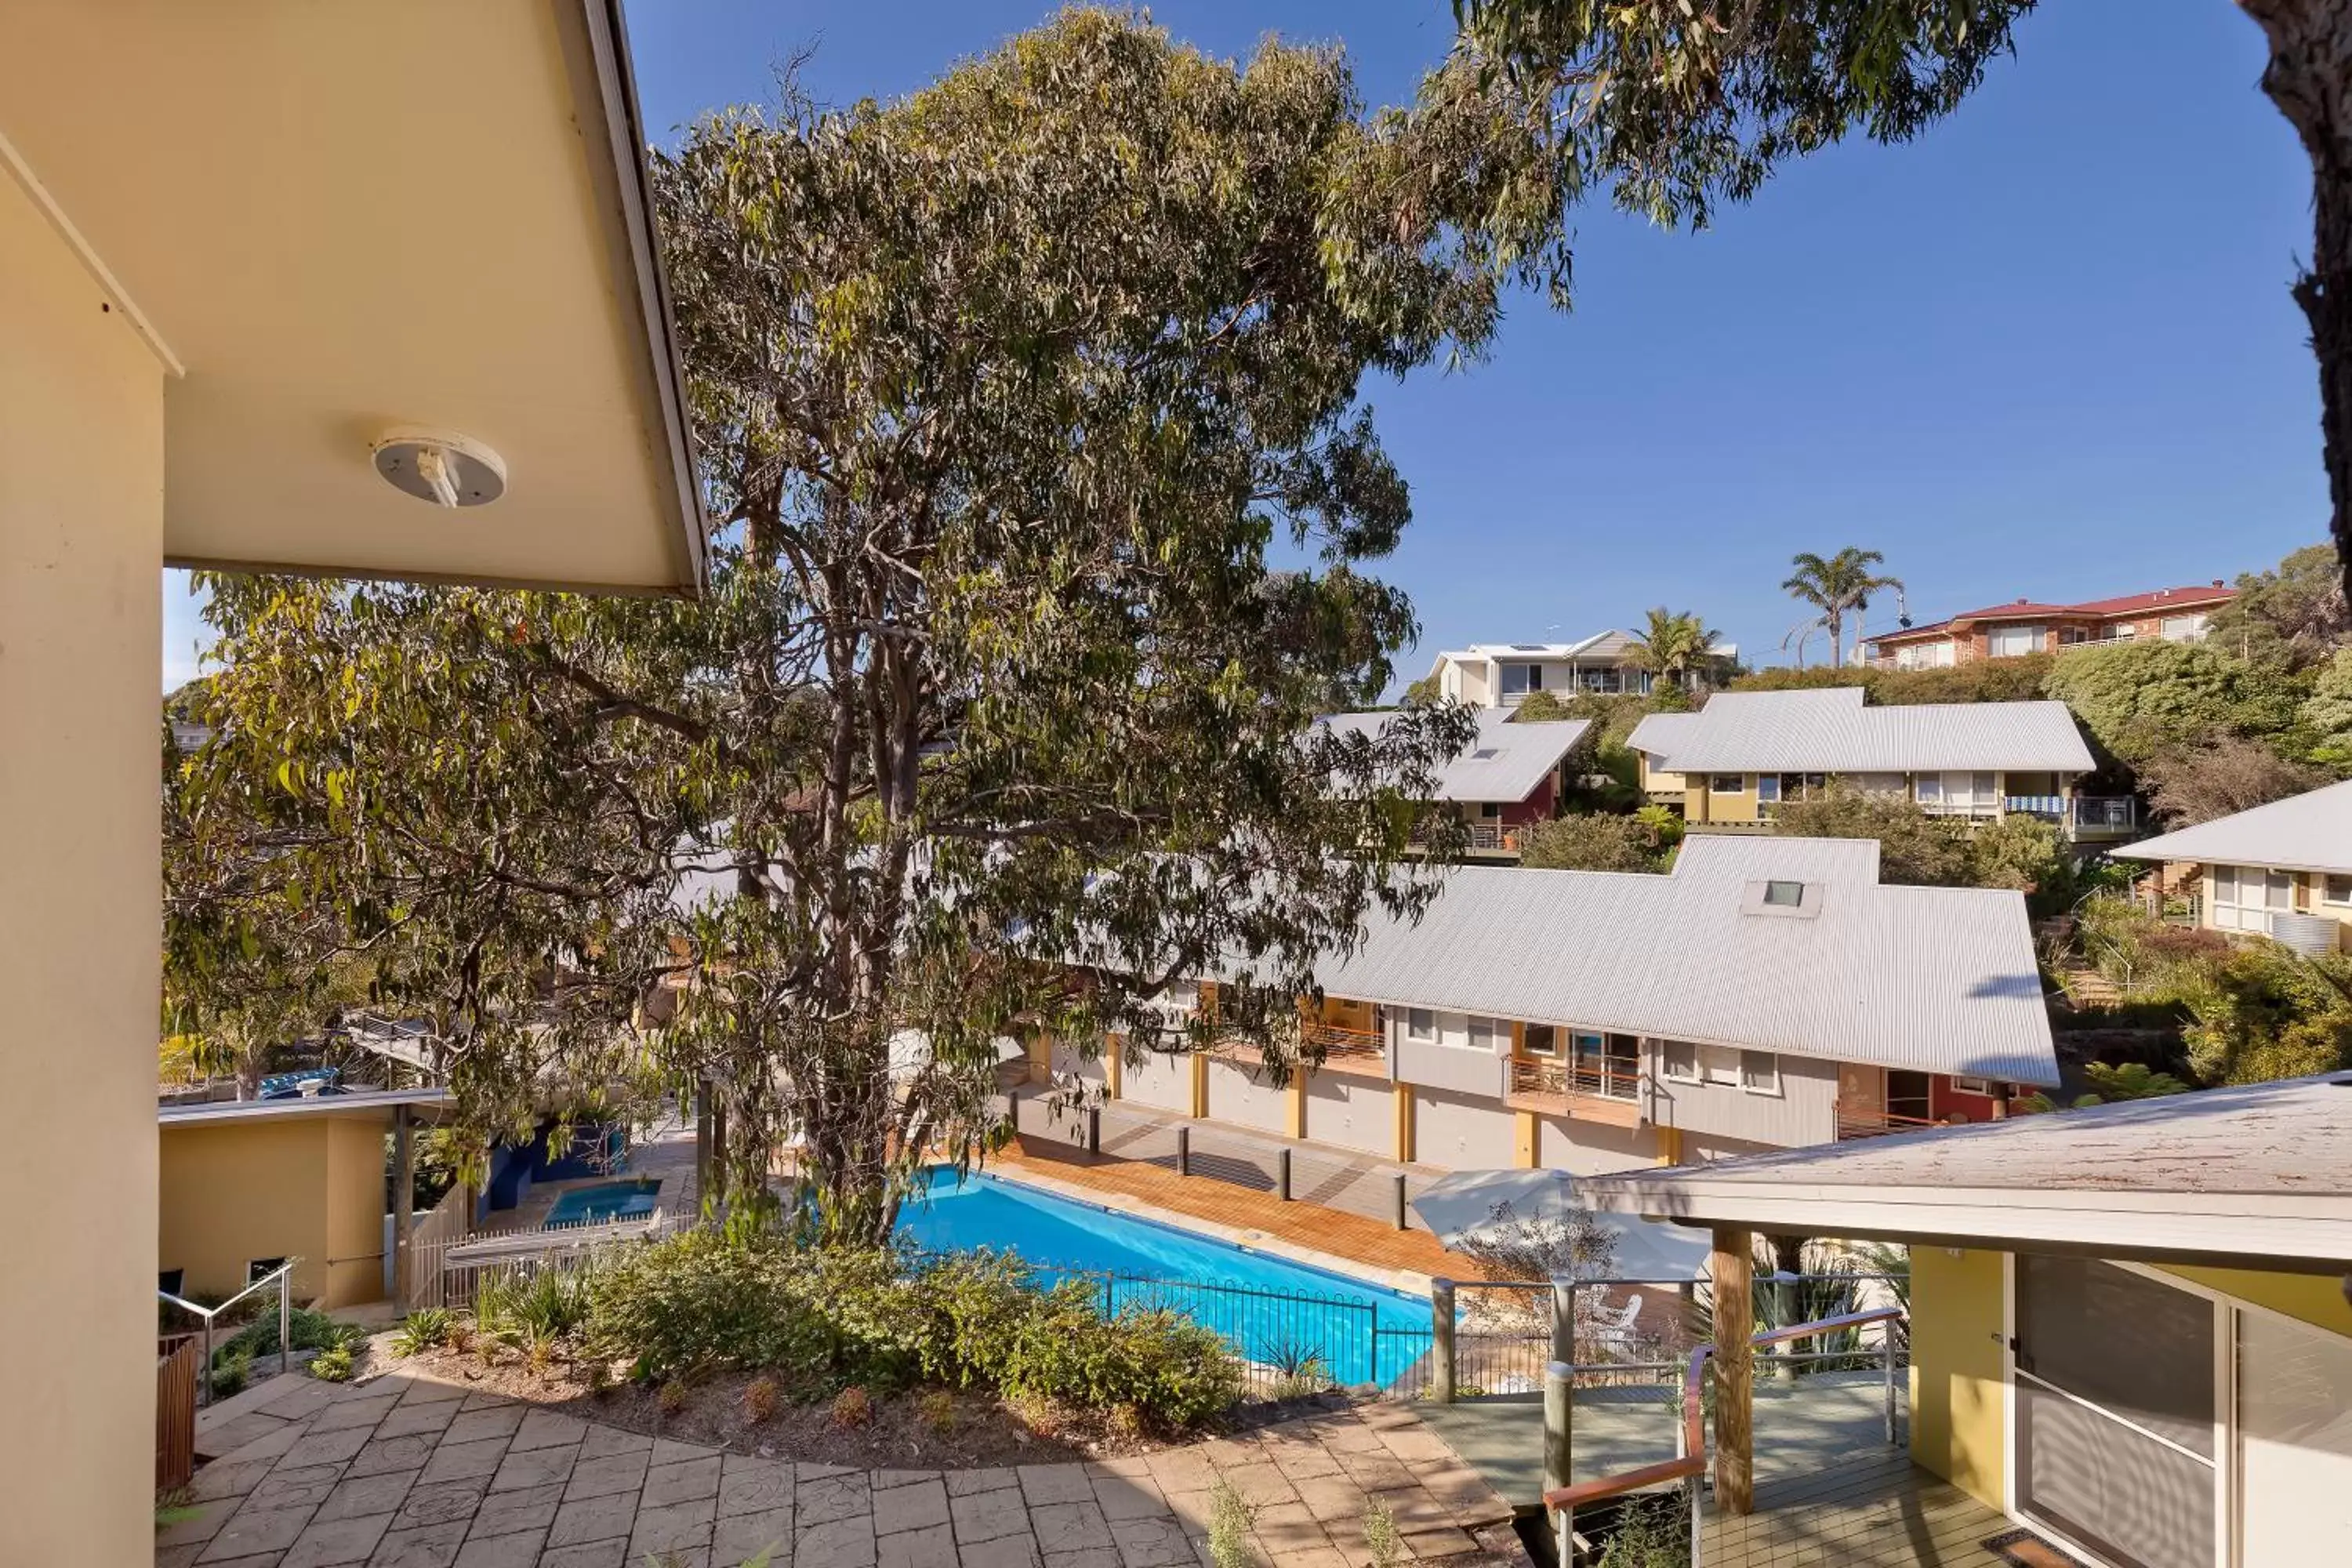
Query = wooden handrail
x=1693 y=1459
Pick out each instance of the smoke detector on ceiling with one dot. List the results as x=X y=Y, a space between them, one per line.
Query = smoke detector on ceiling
x=441 y=467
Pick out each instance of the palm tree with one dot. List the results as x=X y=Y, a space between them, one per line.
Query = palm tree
x=1836 y=586
x=1673 y=645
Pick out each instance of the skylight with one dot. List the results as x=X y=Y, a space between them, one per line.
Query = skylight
x=1784 y=895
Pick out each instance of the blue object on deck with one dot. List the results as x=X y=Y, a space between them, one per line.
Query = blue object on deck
x=1270 y=1310
x=603 y=1202
x=288 y=1085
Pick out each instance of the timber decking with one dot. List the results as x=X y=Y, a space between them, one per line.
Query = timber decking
x=1302 y=1224
x=1873 y=1509
x=1831 y=1491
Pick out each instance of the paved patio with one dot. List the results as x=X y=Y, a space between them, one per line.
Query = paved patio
x=406 y=1472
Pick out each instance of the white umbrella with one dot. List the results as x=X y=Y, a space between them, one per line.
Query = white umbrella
x=1460 y=1207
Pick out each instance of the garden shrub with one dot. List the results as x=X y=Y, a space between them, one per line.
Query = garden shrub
x=884 y=1317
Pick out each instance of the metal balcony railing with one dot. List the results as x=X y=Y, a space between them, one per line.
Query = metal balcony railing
x=1690 y=1436
x=1534 y=1077
x=1345 y=1048
x=1870 y=1121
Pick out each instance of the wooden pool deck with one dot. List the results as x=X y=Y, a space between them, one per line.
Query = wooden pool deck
x=1831 y=1491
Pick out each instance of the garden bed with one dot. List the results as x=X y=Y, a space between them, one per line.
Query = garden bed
x=980 y=1430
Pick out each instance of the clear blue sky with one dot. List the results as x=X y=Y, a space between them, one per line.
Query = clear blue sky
x=2046 y=350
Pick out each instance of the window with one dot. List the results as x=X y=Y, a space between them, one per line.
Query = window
x=1539 y=1040
x=1718 y=1066
x=1768 y=789
x=1929 y=789
x=2244 y=896
x=2011 y=642
x=1679 y=1060
x=261 y=1269
x=1727 y=784
x=1488 y=809
x=1760 y=1072
x=1784 y=895
x=1964 y=1084
x=1484 y=1031
x=1518 y=680
x=1419 y=1024
x=2183 y=628
x=2337 y=889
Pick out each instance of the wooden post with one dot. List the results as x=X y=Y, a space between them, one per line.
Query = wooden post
x=1200 y=1086
x=701 y=1143
x=403 y=1205
x=1282 y=1176
x=1559 y=1415
x=1731 y=1268
x=1441 y=1368
x=718 y=1188
x=1401 y=1223
x=1094 y=1129
x=1183 y=1150
x=1563 y=1318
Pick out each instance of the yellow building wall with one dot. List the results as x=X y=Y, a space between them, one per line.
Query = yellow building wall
x=309 y=1187
x=1959 y=1400
x=2315 y=1299
x=81 y=556
x=1726 y=807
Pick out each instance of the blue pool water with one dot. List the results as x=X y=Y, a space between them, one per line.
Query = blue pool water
x=1254 y=1301
x=605 y=1201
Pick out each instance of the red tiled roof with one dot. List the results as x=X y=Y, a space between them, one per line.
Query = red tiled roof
x=2102 y=609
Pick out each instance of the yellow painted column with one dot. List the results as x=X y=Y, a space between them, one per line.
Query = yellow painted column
x=1670 y=1145
x=1040 y=1057
x=1527 y=1138
x=1200 y=1085
x=1402 y=1101
x=81 y=570
x=1299 y=1105
x=1113 y=1061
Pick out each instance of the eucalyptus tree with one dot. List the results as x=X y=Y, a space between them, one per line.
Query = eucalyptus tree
x=1679 y=105
x=1837 y=585
x=1031 y=416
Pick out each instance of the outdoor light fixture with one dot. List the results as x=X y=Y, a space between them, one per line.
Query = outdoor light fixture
x=440 y=467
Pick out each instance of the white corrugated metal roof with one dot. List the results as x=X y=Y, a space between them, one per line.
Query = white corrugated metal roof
x=1931 y=979
x=2306 y=832
x=1830 y=731
x=2256 y=1172
x=1506 y=762
x=1659 y=733
x=1745 y=857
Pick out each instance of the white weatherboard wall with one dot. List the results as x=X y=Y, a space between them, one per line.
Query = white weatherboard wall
x=1804 y=1110
x=1592 y=1148
x=81 y=556
x=1353 y=1113
x=1162 y=1082
x=1448 y=1060
x=1463 y=1132
x=1236 y=1098
x=1068 y=1060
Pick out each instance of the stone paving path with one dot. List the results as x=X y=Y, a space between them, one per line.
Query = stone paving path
x=406 y=1472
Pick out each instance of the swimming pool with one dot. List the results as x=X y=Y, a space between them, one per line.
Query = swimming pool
x=604 y=1201
x=1270 y=1310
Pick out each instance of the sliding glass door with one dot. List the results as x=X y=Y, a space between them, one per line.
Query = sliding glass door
x=2117 y=1412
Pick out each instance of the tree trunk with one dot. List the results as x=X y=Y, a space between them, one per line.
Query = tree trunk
x=2310 y=79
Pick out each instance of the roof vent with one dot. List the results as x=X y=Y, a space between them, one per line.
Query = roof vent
x=440 y=467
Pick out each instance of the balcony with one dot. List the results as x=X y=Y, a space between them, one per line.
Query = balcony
x=1606 y=1092
x=1360 y=1052
x=2096 y=816
x=1874 y=1121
